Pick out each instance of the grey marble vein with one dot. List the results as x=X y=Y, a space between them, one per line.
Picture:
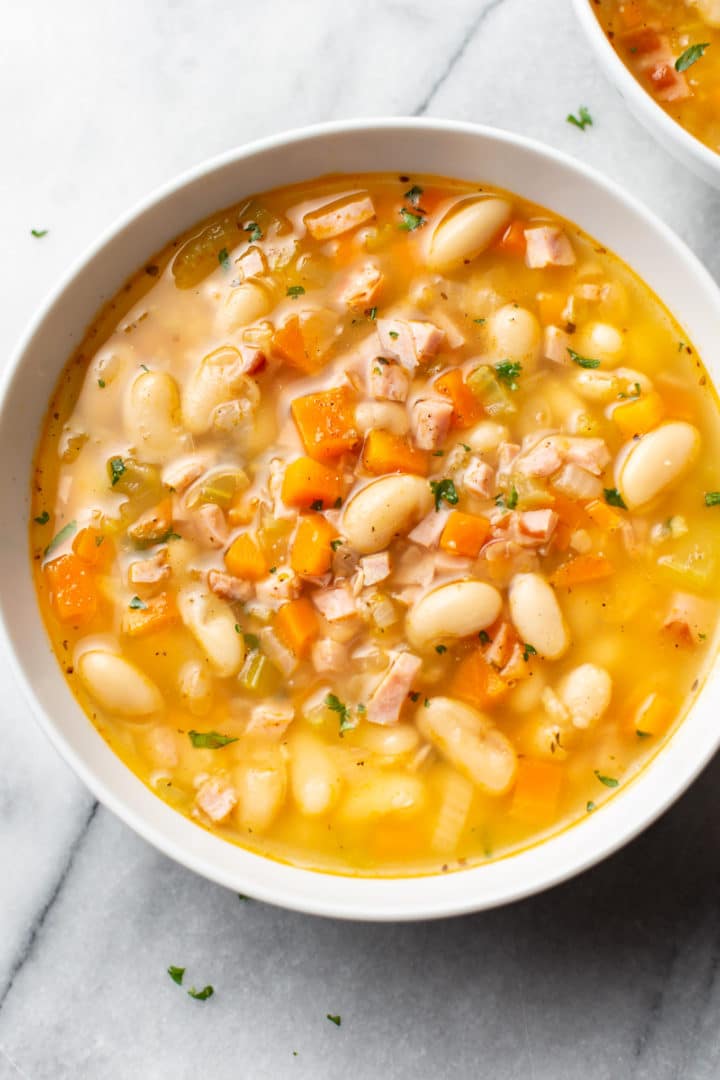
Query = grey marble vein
x=613 y=975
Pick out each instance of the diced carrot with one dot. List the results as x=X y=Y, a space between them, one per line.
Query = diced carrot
x=299 y=343
x=464 y=534
x=537 y=791
x=72 y=588
x=570 y=511
x=467 y=410
x=639 y=416
x=651 y=715
x=582 y=569
x=158 y=612
x=550 y=308
x=311 y=553
x=429 y=200
x=310 y=485
x=512 y=241
x=93 y=546
x=603 y=515
x=245 y=560
x=296 y=624
x=326 y=422
x=384 y=453
x=477 y=682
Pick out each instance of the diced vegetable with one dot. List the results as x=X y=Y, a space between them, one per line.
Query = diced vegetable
x=310 y=485
x=582 y=569
x=157 y=613
x=245 y=560
x=512 y=242
x=464 y=534
x=311 y=551
x=72 y=589
x=640 y=415
x=93 y=546
x=297 y=625
x=603 y=515
x=651 y=716
x=485 y=386
x=259 y=676
x=384 y=452
x=326 y=422
x=477 y=682
x=467 y=408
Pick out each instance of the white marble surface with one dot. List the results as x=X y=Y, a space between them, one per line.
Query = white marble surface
x=613 y=975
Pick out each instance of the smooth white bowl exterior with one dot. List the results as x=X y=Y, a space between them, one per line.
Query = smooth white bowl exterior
x=703 y=161
x=406 y=146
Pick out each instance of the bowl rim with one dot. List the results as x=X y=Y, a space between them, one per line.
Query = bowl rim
x=703 y=161
x=339 y=895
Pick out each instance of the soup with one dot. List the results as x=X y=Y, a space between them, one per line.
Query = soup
x=374 y=524
x=672 y=47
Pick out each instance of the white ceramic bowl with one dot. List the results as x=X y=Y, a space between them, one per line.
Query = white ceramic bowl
x=703 y=161
x=407 y=146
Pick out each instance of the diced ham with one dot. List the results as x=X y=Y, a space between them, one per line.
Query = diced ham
x=251 y=263
x=543 y=459
x=180 y=474
x=337 y=603
x=279 y=587
x=590 y=454
x=270 y=719
x=409 y=342
x=216 y=798
x=454 y=339
x=152 y=525
x=210 y=526
x=516 y=666
x=389 y=696
x=507 y=453
x=556 y=343
x=428 y=532
x=362 y=288
x=254 y=360
x=375 y=568
x=653 y=57
x=329 y=655
x=283 y=659
x=499 y=650
x=537 y=524
x=430 y=422
x=479 y=478
x=387 y=381
x=150 y=571
x=415 y=567
x=577 y=483
x=228 y=587
x=339 y=217
x=689 y=617
x=547 y=245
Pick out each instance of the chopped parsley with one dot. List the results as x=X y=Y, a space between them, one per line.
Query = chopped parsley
x=438 y=453
x=344 y=716
x=116 y=465
x=480 y=322
x=393 y=334
x=692 y=54
x=39 y=233
x=101 y=384
x=614 y=498
x=42 y=519
x=484 y=637
x=414 y=195
x=99 y=540
x=712 y=498
x=583 y=361
x=295 y=290
x=252 y=641
x=65 y=533
x=336 y=1020
x=201 y=995
x=528 y=651
x=643 y=734
x=582 y=120
x=176 y=974
x=508 y=502
x=608 y=781
x=465 y=447
x=410 y=221
x=316 y=504
x=508 y=371
x=137 y=604
x=414 y=695
x=444 y=489
x=372 y=313
x=209 y=740
x=169 y=535
x=335 y=544
x=254 y=231
x=224 y=258
x=440 y=649
x=590 y=806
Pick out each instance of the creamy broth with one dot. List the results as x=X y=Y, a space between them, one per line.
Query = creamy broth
x=672 y=47
x=374 y=524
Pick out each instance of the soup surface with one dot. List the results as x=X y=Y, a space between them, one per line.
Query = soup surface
x=374 y=524
x=672 y=47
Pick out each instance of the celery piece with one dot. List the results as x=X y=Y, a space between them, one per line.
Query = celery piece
x=492 y=396
x=218 y=487
x=258 y=675
x=693 y=570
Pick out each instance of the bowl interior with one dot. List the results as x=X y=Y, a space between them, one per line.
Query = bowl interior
x=407 y=146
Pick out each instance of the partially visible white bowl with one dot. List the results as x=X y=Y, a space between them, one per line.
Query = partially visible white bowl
x=406 y=146
x=703 y=161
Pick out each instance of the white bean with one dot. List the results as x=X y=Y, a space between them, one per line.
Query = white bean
x=601 y=341
x=468 y=741
x=585 y=692
x=384 y=509
x=218 y=393
x=152 y=416
x=261 y=787
x=195 y=686
x=396 y=740
x=212 y=624
x=389 y=415
x=467 y=230
x=536 y=615
x=649 y=466
x=314 y=778
x=485 y=436
x=245 y=304
x=452 y=611
x=385 y=793
x=515 y=334
x=118 y=685
x=596 y=385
